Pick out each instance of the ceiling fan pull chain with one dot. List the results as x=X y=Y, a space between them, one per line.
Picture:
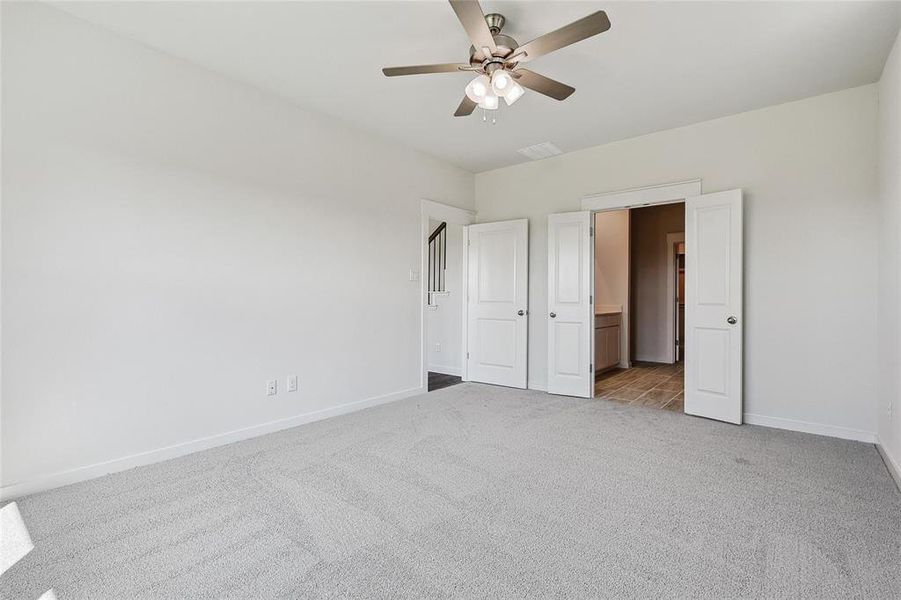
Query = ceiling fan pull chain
x=493 y=119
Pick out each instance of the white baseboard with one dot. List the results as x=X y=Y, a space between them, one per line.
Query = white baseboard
x=62 y=478
x=446 y=370
x=654 y=359
x=845 y=433
x=893 y=466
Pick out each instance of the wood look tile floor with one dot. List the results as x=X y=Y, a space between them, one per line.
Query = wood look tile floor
x=648 y=384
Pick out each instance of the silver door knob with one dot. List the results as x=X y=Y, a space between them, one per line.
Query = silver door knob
x=521 y=312
x=731 y=320
x=553 y=315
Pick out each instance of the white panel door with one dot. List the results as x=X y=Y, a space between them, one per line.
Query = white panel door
x=497 y=307
x=713 y=306
x=570 y=318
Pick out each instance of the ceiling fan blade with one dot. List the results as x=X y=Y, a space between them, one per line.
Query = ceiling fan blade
x=473 y=20
x=542 y=84
x=576 y=31
x=466 y=107
x=423 y=69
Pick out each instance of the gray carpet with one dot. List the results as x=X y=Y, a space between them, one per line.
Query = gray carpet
x=481 y=492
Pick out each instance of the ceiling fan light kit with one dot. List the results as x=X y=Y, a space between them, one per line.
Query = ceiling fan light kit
x=496 y=58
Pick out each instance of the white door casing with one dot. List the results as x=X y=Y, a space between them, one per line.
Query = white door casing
x=570 y=316
x=713 y=306
x=497 y=303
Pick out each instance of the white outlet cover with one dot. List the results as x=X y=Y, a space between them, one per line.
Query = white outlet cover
x=271 y=387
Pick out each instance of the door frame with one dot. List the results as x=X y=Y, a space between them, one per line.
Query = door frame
x=429 y=209
x=654 y=195
x=671 y=240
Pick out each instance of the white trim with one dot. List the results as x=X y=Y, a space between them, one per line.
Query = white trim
x=464 y=346
x=654 y=194
x=845 y=433
x=894 y=468
x=671 y=239
x=663 y=360
x=452 y=215
x=446 y=370
x=62 y=478
x=446 y=212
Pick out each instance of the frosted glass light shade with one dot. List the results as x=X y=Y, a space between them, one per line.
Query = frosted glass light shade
x=478 y=88
x=489 y=102
x=500 y=82
x=514 y=93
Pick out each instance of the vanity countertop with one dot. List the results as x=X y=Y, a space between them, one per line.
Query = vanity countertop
x=607 y=311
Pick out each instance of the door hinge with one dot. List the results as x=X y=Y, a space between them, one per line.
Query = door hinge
x=591 y=231
x=467 y=356
x=590 y=367
x=591 y=299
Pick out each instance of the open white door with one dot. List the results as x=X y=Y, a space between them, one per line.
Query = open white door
x=570 y=326
x=497 y=305
x=713 y=306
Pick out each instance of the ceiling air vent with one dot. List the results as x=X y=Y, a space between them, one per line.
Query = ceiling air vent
x=539 y=151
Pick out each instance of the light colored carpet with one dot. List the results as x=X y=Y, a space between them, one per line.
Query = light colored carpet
x=481 y=492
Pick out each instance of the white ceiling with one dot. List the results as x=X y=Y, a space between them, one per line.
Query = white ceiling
x=661 y=65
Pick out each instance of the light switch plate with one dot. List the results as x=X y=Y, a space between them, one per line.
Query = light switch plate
x=292 y=383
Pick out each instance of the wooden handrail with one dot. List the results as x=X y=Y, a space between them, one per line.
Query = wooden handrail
x=438 y=231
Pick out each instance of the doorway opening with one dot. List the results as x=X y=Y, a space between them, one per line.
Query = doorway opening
x=443 y=294
x=639 y=290
x=444 y=323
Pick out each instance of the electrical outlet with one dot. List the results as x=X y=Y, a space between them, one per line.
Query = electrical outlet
x=272 y=387
x=437 y=346
x=414 y=275
x=292 y=383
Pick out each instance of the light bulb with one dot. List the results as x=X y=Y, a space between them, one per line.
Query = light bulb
x=513 y=94
x=500 y=81
x=478 y=88
x=489 y=101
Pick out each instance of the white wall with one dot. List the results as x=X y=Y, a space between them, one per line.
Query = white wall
x=611 y=268
x=172 y=239
x=808 y=169
x=445 y=323
x=890 y=257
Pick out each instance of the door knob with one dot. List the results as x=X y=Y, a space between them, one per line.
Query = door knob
x=553 y=315
x=521 y=312
x=731 y=320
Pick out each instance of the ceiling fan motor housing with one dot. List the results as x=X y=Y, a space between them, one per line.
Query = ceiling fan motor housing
x=479 y=59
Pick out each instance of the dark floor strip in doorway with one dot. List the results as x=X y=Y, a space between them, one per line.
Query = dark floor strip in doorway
x=441 y=380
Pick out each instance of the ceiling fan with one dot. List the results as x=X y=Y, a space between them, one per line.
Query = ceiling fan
x=496 y=58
